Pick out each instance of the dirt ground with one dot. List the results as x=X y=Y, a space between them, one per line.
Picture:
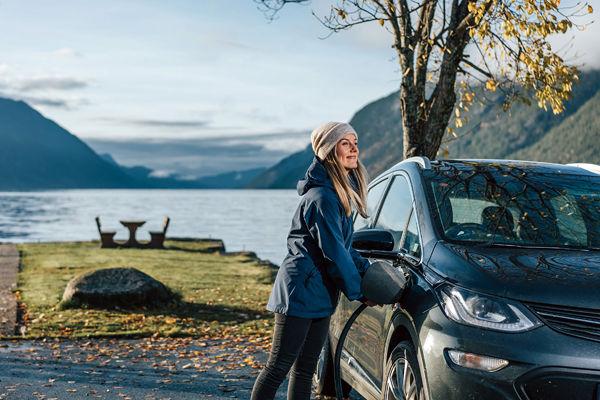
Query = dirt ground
x=129 y=369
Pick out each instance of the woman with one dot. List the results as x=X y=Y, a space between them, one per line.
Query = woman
x=320 y=261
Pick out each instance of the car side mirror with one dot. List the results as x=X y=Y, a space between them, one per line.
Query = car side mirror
x=373 y=239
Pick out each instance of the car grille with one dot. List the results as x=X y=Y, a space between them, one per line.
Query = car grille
x=560 y=385
x=580 y=322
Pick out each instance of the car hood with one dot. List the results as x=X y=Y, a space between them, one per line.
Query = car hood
x=560 y=277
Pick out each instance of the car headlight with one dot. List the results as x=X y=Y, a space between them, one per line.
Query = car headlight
x=470 y=308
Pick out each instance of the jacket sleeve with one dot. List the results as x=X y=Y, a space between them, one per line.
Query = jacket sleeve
x=362 y=264
x=322 y=217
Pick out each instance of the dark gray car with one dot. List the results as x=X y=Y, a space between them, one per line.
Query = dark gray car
x=504 y=299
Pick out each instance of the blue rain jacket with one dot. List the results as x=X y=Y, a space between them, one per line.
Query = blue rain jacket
x=320 y=259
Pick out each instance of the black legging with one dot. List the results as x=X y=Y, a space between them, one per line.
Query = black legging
x=296 y=341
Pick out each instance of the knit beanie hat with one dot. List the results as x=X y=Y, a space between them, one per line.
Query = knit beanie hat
x=325 y=137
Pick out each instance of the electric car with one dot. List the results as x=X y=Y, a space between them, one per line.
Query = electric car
x=503 y=301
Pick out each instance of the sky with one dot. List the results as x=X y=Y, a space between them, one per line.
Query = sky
x=196 y=87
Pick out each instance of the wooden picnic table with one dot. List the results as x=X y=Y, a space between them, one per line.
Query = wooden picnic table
x=133 y=227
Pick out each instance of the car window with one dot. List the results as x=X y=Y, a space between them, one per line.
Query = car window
x=372 y=200
x=411 y=243
x=473 y=210
x=515 y=205
x=570 y=223
x=468 y=210
x=396 y=209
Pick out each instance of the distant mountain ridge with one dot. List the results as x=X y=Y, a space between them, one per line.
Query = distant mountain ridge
x=226 y=180
x=38 y=154
x=525 y=132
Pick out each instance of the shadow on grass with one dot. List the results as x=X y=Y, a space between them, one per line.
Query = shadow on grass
x=190 y=245
x=196 y=311
x=209 y=312
x=204 y=250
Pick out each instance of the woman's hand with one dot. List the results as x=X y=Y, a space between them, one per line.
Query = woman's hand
x=369 y=302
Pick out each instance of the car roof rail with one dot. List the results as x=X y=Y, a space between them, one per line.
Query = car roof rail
x=587 y=166
x=421 y=160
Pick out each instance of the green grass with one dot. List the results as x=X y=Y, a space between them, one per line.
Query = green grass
x=223 y=295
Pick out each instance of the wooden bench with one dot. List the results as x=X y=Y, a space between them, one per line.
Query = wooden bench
x=157 y=238
x=107 y=240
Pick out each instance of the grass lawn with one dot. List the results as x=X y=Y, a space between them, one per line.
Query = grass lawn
x=223 y=295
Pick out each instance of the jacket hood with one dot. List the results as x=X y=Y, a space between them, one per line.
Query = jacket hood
x=317 y=175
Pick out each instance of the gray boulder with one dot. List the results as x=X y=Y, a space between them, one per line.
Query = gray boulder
x=116 y=287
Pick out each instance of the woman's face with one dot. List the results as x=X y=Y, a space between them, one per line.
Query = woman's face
x=346 y=151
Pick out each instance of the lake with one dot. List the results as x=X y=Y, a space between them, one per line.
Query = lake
x=256 y=220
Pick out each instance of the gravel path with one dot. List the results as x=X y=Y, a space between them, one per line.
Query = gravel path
x=125 y=369
x=176 y=369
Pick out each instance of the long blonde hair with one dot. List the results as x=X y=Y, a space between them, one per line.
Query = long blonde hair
x=349 y=197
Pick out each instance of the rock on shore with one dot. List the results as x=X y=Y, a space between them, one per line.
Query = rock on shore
x=115 y=287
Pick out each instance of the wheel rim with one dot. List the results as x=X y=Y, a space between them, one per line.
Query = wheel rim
x=401 y=383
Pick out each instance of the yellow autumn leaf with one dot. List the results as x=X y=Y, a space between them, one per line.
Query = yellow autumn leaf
x=590 y=9
x=381 y=22
x=491 y=85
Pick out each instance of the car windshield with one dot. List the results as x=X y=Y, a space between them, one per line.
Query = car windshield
x=510 y=205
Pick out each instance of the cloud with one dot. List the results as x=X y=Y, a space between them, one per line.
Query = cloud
x=161 y=173
x=66 y=52
x=48 y=83
x=157 y=123
x=166 y=124
x=220 y=40
x=45 y=91
x=47 y=101
x=234 y=44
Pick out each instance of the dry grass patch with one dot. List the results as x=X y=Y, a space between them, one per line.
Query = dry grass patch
x=223 y=295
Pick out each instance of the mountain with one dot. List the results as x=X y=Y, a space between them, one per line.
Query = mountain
x=284 y=174
x=493 y=133
x=226 y=180
x=37 y=153
x=575 y=139
x=524 y=132
x=230 y=180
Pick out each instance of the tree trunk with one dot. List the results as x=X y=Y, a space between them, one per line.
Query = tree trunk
x=423 y=134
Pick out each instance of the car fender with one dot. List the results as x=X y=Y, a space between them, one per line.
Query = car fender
x=401 y=321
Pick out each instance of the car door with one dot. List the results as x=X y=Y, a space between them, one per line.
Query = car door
x=345 y=308
x=366 y=339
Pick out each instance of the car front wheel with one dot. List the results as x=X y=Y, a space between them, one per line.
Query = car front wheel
x=402 y=377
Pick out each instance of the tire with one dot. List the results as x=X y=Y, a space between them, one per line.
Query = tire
x=323 y=377
x=406 y=386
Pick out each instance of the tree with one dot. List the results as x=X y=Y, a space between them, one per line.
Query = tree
x=501 y=44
